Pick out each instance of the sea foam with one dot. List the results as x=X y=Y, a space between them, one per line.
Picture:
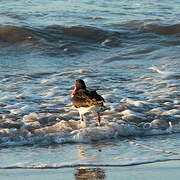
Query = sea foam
x=129 y=117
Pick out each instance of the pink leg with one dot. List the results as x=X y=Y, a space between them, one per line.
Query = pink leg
x=99 y=119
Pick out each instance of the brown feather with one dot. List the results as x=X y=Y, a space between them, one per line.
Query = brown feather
x=85 y=98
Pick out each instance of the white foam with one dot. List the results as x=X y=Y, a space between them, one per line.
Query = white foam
x=30 y=117
x=160 y=124
x=154 y=68
x=167 y=74
x=132 y=113
x=172 y=112
x=70 y=131
x=127 y=118
x=137 y=103
x=132 y=102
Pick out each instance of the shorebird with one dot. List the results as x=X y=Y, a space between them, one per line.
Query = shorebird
x=87 y=101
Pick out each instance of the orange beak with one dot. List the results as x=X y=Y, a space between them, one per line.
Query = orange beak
x=74 y=91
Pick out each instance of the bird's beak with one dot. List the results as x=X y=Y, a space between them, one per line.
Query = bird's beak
x=74 y=91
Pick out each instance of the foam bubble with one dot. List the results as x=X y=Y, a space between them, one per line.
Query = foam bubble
x=127 y=118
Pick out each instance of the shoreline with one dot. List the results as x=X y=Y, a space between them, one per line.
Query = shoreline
x=165 y=170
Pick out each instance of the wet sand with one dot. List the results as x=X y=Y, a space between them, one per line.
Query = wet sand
x=165 y=170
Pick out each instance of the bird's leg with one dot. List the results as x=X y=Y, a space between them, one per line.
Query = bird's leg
x=99 y=119
x=83 y=120
x=81 y=117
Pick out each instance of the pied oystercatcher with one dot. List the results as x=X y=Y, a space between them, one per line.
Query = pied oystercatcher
x=87 y=101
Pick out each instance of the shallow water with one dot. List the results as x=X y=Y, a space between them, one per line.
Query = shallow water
x=128 y=51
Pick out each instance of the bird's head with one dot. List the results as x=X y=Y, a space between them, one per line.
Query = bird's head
x=79 y=84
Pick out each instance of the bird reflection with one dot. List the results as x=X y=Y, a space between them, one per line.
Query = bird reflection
x=90 y=174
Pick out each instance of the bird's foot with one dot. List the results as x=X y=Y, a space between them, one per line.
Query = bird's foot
x=83 y=124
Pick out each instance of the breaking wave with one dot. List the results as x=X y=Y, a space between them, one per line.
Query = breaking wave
x=56 y=34
x=127 y=118
x=162 y=29
x=150 y=26
x=80 y=39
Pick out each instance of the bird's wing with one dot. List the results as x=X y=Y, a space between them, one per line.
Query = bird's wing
x=87 y=98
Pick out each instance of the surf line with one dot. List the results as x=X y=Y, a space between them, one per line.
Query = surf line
x=88 y=165
x=152 y=148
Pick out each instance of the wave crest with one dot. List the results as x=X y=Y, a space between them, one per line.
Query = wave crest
x=54 y=40
x=162 y=29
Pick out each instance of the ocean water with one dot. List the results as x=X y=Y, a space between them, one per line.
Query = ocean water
x=129 y=51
